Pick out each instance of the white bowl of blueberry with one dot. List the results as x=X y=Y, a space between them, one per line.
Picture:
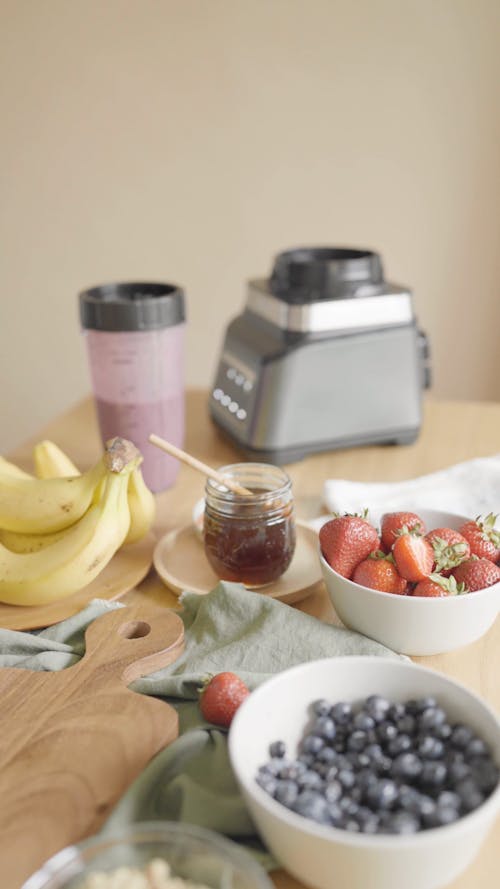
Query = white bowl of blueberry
x=368 y=772
x=421 y=583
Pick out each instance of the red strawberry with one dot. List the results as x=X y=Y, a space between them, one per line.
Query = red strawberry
x=380 y=573
x=450 y=548
x=484 y=540
x=477 y=574
x=437 y=585
x=392 y=523
x=414 y=556
x=345 y=541
x=221 y=697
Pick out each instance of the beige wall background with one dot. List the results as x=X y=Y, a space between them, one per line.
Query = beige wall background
x=190 y=140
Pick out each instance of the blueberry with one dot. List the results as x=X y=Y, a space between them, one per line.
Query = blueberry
x=286 y=793
x=312 y=744
x=461 y=736
x=277 y=749
x=433 y=774
x=402 y=823
x=406 y=765
x=333 y=791
x=409 y=799
x=457 y=772
x=272 y=767
x=341 y=712
x=431 y=747
x=369 y=824
x=476 y=747
x=321 y=768
x=377 y=707
x=352 y=825
x=426 y=807
x=432 y=718
x=443 y=731
x=382 y=795
x=348 y=806
x=306 y=759
x=427 y=703
x=324 y=727
x=331 y=773
x=397 y=711
x=407 y=724
x=312 y=805
x=327 y=755
x=443 y=814
x=357 y=741
x=374 y=752
x=346 y=778
x=334 y=814
x=485 y=774
x=363 y=761
x=449 y=799
x=363 y=721
x=365 y=779
x=386 y=731
x=470 y=795
x=267 y=782
x=293 y=770
x=321 y=707
x=399 y=744
x=310 y=781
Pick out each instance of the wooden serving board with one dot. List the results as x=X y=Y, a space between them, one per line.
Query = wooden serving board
x=71 y=742
x=180 y=561
x=125 y=570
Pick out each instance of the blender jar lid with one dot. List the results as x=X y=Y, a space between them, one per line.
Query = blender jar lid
x=132 y=306
x=325 y=273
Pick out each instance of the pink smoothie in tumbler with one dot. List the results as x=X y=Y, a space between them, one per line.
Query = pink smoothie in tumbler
x=138 y=375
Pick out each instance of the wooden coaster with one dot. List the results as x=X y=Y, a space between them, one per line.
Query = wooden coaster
x=125 y=570
x=180 y=561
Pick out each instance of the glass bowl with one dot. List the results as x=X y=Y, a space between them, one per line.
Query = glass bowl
x=193 y=853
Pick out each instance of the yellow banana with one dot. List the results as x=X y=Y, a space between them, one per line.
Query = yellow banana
x=51 y=462
x=83 y=550
x=142 y=505
x=29 y=543
x=40 y=506
x=8 y=468
x=76 y=558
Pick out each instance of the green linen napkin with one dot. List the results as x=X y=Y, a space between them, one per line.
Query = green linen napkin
x=228 y=629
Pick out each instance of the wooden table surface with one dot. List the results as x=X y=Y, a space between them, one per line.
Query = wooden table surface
x=451 y=432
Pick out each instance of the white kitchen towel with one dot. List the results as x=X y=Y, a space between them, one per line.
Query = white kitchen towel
x=469 y=489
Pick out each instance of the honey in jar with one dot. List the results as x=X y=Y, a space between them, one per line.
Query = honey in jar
x=250 y=539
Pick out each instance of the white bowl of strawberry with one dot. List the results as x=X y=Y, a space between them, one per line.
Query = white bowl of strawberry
x=421 y=582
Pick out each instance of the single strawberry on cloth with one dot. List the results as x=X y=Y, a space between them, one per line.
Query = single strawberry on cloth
x=230 y=629
x=469 y=489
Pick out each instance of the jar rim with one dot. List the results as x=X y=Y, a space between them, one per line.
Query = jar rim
x=241 y=472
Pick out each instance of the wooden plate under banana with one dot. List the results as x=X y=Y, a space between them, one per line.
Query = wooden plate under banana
x=60 y=528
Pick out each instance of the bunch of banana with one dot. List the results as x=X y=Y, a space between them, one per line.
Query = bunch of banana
x=51 y=462
x=59 y=531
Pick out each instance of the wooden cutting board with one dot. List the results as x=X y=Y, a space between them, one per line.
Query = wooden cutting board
x=72 y=741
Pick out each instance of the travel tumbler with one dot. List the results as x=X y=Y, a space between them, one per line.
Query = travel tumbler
x=135 y=344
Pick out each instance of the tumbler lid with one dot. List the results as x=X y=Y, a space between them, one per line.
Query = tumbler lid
x=132 y=306
x=310 y=274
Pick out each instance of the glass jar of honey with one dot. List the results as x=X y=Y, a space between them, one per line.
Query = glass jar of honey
x=250 y=538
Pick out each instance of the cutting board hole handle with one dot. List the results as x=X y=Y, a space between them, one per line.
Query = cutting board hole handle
x=134 y=629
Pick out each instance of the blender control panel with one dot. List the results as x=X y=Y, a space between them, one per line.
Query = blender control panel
x=233 y=391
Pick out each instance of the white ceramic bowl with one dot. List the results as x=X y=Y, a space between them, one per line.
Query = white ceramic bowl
x=412 y=624
x=328 y=858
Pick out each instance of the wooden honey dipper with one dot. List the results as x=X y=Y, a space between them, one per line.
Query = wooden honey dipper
x=197 y=464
